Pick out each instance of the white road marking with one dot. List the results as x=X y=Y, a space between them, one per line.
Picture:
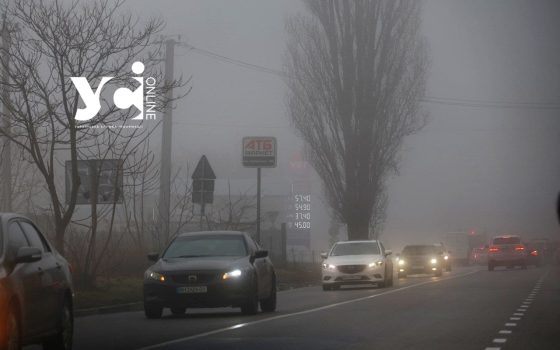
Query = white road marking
x=522 y=310
x=492 y=348
x=518 y=314
x=500 y=340
x=320 y=308
x=505 y=331
x=515 y=318
x=511 y=324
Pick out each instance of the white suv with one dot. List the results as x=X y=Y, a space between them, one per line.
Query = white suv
x=357 y=262
x=507 y=251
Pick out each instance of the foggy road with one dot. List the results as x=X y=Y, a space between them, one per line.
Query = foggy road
x=469 y=308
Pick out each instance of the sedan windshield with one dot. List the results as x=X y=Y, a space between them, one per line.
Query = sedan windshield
x=207 y=245
x=361 y=248
x=420 y=250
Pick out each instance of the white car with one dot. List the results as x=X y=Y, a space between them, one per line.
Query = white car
x=357 y=262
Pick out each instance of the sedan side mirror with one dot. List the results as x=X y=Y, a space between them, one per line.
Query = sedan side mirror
x=261 y=254
x=323 y=255
x=28 y=254
x=388 y=252
x=153 y=256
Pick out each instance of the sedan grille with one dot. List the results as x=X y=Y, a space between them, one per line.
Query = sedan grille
x=194 y=277
x=351 y=268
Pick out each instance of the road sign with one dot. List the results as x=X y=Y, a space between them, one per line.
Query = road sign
x=259 y=152
x=203 y=182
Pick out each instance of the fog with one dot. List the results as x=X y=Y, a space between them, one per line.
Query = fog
x=492 y=169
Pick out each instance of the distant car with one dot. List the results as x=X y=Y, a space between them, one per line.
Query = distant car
x=479 y=256
x=355 y=263
x=36 y=293
x=210 y=269
x=535 y=253
x=507 y=250
x=446 y=256
x=421 y=259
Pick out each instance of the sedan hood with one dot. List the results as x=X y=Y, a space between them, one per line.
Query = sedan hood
x=221 y=263
x=353 y=259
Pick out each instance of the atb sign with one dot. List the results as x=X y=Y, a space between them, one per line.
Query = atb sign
x=259 y=152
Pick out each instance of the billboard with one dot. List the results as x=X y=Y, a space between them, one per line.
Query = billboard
x=259 y=152
x=104 y=176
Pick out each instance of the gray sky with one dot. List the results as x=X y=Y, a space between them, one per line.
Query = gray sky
x=488 y=169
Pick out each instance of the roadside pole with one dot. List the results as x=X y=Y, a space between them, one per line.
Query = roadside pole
x=259 y=205
x=167 y=127
x=6 y=202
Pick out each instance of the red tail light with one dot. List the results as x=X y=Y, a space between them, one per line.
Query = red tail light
x=493 y=249
x=519 y=247
x=534 y=253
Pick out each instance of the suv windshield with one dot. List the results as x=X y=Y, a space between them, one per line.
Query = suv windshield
x=419 y=250
x=358 y=248
x=206 y=245
x=507 y=240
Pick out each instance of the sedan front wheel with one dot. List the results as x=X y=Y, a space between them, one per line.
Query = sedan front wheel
x=251 y=306
x=269 y=304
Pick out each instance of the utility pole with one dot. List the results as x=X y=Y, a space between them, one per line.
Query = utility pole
x=6 y=167
x=165 y=172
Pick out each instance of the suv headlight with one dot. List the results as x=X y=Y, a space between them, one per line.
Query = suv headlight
x=376 y=263
x=154 y=276
x=401 y=262
x=329 y=267
x=232 y=274
x=433 y=261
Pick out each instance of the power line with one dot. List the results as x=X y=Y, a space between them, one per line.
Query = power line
x=428 y=99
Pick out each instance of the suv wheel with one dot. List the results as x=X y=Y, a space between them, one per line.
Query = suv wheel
x=326 y=287
x=152 y=310
x=438 y=272
x=63 y=339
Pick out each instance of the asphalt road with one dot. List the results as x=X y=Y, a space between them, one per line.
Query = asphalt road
x=469 y=308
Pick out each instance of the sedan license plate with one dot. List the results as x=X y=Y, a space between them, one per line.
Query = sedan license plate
x=352 y=277
x=192 y=290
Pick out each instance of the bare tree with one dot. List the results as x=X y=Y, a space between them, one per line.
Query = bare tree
x=54 y=42
x=356 y=72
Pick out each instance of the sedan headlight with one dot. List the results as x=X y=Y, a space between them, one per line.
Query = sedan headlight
x=376 y=263
x=446 y=257
x=401 y=262
x=232 y=274
x=433 y=261
x=154 y=276
x=329 y=267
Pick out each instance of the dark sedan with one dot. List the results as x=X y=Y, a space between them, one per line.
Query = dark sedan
x=210 y=269
x=35 y=288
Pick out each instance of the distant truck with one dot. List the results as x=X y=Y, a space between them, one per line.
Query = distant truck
x=457 y=244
